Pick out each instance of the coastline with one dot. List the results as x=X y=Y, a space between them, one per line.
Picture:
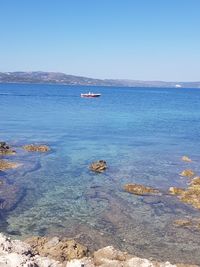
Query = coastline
x=55 y=253
x=56 y=78
x=99 y=86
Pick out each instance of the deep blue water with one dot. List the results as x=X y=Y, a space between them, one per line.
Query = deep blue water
x=142 y=133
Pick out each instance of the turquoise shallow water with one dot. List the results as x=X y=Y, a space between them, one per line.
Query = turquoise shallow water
x=141 y=133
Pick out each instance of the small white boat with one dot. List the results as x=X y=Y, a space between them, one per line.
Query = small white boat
x=90 y=95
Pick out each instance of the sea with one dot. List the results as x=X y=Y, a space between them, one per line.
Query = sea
x=142 y=134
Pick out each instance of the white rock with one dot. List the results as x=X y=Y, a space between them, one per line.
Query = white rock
x=15 y=260
x=15 y=253
x=85 y=262
x=5 y=243
x=52 y=242
x=46 y=262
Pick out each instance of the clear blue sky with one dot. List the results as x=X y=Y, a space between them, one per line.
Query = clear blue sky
x=135 y=39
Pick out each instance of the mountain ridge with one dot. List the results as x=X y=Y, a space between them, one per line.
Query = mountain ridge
x=42 y=77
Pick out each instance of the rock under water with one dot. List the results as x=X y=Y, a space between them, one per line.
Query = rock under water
x=138 y=189
x=36 y=148
x=10 y=196
x=98 y=166
x=190 y=223
x=187 y=173
x=190 y=195
x=6 y=165
x=186 y=159
x=5 y=149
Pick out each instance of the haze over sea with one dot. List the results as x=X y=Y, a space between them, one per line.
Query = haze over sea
x=142 y=133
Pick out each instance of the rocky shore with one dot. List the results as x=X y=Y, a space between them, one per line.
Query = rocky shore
x=55 y=252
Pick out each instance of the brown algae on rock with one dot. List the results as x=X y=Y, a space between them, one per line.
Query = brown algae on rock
x=190 y=195
x=5 y=165
x=187 y=173
x=195 y=181
x=98 y=166
x=58 y=249
x=186 y=159
x=36 y=148
x=138 y=189
x=5 y=149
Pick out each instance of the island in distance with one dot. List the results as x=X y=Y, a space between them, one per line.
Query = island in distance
x=62 y=78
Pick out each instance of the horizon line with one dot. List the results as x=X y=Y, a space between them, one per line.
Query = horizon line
x=103 y=79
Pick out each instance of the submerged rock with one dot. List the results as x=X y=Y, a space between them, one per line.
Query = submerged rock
x=195 y=181
x=183 y=223
x=187 y=173
x=190 y=223
x=10 y=196
x=138 y=189
x=190 y=195
x=98 y=166
x=58 y=249
x=36 y=148
x=5 y=165
x=186 y=159
x=5 y=149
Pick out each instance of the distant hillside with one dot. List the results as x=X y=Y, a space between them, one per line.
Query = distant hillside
x=61 y=78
